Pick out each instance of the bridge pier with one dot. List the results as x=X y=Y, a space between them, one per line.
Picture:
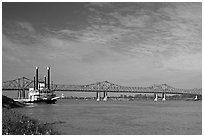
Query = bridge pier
x=163 y=96
x=97 y=96
x=156 y=97
x=21 y=94
x=196 y=98
x=105 y=95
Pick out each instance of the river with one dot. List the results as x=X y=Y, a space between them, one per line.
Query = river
x=89 y=117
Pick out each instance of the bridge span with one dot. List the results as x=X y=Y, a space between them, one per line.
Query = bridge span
x=23 y=84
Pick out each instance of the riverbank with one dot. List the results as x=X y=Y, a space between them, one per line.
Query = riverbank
x=10 y=103
x=15 y=123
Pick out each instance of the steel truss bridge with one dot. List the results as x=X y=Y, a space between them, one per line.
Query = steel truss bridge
x=22 y=84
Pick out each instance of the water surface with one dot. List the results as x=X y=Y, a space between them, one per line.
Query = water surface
x=86 y=117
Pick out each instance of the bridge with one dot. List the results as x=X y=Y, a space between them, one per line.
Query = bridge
x=23 y=84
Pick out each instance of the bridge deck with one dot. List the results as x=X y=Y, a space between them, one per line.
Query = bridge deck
x=25 y=83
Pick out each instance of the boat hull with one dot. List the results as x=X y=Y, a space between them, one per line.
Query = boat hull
x=48 y=101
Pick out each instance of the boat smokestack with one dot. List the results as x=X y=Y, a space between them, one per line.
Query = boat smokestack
x=45 y=81
x=34 y=83
x=36 y=69
x=48 y=78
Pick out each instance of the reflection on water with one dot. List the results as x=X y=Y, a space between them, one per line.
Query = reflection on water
x=120 y=117
x=31 y=105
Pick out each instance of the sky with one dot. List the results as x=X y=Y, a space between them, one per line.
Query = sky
x=130 y=44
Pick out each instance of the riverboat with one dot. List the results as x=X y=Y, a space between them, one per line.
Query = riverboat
x=41 y=96
x=40 y=92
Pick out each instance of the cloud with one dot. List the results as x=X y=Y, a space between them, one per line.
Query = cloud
x=150 y=32
x=21 y=33
x=26 y=25
x=162 y=33
x=12 y=52
x=99 y=4
x=184 y=62
x=139 y=41
x=80 y=46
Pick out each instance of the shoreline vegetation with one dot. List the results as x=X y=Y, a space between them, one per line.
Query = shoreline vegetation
x=15 y=123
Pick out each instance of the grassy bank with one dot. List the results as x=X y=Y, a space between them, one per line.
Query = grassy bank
x=10 y=103
x=14 y=123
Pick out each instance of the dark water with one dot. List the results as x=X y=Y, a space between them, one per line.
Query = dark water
x=86 y=117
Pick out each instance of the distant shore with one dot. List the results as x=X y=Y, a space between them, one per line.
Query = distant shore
x=15 y=123
x=139 y=97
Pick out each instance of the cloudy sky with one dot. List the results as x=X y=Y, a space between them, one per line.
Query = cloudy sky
x=133 y=44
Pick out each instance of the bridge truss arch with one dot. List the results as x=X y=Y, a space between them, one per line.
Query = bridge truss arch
x=24 y=83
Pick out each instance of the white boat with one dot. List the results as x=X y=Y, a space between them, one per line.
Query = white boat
x=41 y=92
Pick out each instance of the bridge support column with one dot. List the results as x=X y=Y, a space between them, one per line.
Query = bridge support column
x=196 y=98
x=163 y=96
x=97 y=96
x=23 y=93
x=156 y=97
x=19 y=94
x=105 y=95
x=36 y=73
